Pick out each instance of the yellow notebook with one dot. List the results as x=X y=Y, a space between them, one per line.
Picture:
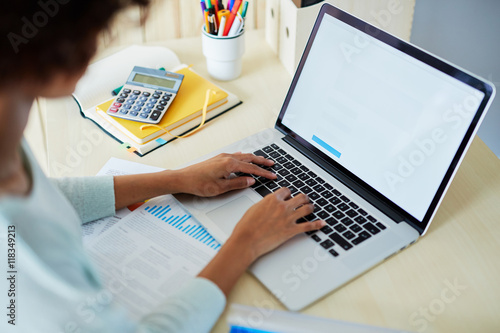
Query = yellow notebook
x=187 y=105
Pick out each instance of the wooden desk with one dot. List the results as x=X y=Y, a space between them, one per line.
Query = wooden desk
x=461 y=246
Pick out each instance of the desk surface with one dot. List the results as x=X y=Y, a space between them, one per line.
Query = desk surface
x=411 y=290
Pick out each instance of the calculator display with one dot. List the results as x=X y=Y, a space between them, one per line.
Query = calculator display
x=156 y=81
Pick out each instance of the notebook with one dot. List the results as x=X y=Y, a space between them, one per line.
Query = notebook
x=187 y=106
x=107 y=74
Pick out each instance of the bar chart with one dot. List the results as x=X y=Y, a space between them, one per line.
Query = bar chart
x=184 y=223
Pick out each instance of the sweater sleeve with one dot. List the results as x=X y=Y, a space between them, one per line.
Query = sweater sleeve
x=92 y=197
x=194 y=308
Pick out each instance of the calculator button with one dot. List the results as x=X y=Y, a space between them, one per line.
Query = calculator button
x=123 y=95
x=169 y=95
x=139 y=103
x=136 y=108
x=113 y=109
x=127 y=106
x=162 y=102
x=117 y=104
x=165 y=98
x=155 y=115
x=134 y=113
x=126 y=91
x=159 y=107
x=124 y=111
x=146 y=94
x=129 y=101
x=133 y=97
x=143 y=98
x=158 y=92
x=144 y=115
x=120 y=100
x=147 y=110
x=136 y=92
x=153 y=100
x=155 y=95
x=150 y=105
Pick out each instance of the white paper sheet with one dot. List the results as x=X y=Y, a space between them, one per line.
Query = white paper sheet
x=151 y=253
x=114 y=167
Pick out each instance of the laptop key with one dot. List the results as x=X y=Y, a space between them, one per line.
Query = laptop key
x=304 y=168
x=267 y=149
x=288 y=165
x=340 y=228
x=316 y=209
x=343 y=207
x=328 y=186
x=305 y=189
x=319 y=188
x=316 y=238
x=260 y=153
x=283 y=183
x=263 y=191
x=281 y=160
x=327 y=244
x=282 y=152
x=360 y=219
x=346 y=221
x=291 y=178
x=371 y=219
x=275 y=146
x=371 y=228
x=327 y=195
x=348 y=234
x=310 y=182
x=333 y=252
x=274 y=154
x=335 y=200
x=320 y=180
x=362 y=212
x=303 y=176
x=351 y=213
x=283 y=172
x=344 y=198
x=331 y=221
x=272 y=185
x=323 y=215
x=312 y=174
x=296 y=171
x=310 y=217
x=336 y=192
x=313 y=196
x=338 y=214
x=340 y=241
x=353 y=205
x=329 y=208
x=293 y=189
x=326 y=230
x=362 y=236
x=356 y=228
x=380 y=225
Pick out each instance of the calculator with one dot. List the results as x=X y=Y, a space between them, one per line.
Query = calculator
x=146 y=96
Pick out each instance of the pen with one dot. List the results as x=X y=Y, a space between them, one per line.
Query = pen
x=223 y=13
x=222 y=25
x=212 y=27
x=232 y=16
x=244 y=11
x=236 y=26
x=221 y=5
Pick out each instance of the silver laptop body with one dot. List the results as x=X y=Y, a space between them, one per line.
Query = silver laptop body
x=381 y=121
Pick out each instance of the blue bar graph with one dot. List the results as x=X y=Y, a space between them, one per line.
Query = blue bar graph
x=184 y=223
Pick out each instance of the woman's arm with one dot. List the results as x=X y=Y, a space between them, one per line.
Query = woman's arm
x=206 y=179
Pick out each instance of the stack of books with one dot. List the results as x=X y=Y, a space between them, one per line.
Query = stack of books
x=184 y=114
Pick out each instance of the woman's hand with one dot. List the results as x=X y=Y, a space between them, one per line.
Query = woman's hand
x=213 y=176
x=264 y=227
x=272 y=221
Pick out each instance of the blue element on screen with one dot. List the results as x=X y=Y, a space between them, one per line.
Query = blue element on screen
x=181 y=223
x=241 y=329
x=325 y=145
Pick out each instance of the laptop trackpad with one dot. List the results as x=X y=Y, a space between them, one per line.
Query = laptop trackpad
x=228 y=215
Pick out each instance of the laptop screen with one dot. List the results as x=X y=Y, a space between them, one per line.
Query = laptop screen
x=393 y=121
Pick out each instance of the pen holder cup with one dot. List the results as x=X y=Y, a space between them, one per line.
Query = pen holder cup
x=223 y=55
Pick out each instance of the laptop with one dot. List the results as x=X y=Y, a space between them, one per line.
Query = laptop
x=373 y=130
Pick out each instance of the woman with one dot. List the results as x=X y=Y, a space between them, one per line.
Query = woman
x=45 y=48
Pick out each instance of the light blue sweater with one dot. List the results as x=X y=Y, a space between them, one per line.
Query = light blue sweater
x=57 y=288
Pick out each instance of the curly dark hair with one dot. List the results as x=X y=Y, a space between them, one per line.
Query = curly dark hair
x=40 y=38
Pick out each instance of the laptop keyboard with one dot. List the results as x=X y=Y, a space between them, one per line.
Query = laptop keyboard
x=348 y=225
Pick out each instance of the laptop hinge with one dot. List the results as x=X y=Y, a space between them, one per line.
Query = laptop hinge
x=350 y=183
